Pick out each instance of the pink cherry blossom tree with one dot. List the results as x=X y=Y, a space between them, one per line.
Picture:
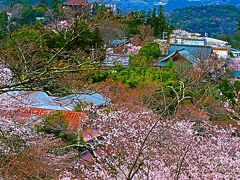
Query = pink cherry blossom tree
x=143 y=145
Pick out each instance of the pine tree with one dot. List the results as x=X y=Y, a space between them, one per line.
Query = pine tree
x=155 y=22
x=43 y=2
x=141 y=16
x=238 y=26
x=3 y=24
x=97 y=38
x=119 y=13
x=162 y=25
x=55 y=4
x=169 y=29
x=26 y=3
x=149 y=18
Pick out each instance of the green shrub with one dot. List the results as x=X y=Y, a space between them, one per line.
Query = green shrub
x=170 y=64
x=150 y=51
x=54 y=123
x=237 y=86
x=138 y=61
x=227 y=89
x=80 y=106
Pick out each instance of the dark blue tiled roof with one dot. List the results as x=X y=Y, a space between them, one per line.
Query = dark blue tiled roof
x=183 y=53
x=118 y=42
x=200 y=52
x=188 y=56
x=93 y=98
x=236 y=74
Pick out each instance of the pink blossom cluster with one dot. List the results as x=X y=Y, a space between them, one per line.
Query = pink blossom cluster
x=63 y=25
x=133 y=50
x=235 y=64
x=11 y=130
x=5 y=76
x=174 y=149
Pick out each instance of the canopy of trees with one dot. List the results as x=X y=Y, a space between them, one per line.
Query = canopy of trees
x=213 y=20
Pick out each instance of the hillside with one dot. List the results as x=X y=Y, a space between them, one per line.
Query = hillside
x=86 y=93
x=211 y=19
x=129 y=5
x=133 y=5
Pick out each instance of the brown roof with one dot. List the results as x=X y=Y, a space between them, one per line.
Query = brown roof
x=76 y=2
x=136 y=41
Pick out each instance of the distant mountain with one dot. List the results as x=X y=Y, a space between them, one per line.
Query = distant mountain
x=214 y=20
x=130 y=5
x=133 y=5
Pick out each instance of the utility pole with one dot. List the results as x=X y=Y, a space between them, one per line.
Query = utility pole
x=92 y=54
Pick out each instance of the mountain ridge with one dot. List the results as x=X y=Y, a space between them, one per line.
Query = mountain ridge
x=134 y=5
x=147 y=5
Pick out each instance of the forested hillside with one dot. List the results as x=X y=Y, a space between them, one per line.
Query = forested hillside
x=211 y=19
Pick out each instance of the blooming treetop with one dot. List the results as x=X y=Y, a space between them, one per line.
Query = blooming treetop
x=174 y=149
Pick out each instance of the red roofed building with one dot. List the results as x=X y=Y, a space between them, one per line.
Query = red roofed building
x=74 y=118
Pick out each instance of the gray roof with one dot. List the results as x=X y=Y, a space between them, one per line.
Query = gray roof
x=29 y=99
x=69 y=102
x=188 y=56
x=183 y=53
x=118 y=42
x=39 y=99
x=200 y=52
x=113 y=59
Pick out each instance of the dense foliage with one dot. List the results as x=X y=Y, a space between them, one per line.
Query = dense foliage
x=155 y=18
x=213 y=20
x=150 y=51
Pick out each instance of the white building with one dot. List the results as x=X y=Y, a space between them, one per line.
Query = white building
x=179 y=35
x=221 y=52
x=215 y=42
x=220 y=48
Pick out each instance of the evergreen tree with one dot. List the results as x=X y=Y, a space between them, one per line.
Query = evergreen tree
x=43 y=2
x=26 y=3
x=155 y=22
x=238 y=26
x=149 y=18
x=27 y=15
x=119 y=13
x=141 y=17
x=3 y=24
x=162 y=25
x=97 y=38
x=55 y=4
x=169 y=29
